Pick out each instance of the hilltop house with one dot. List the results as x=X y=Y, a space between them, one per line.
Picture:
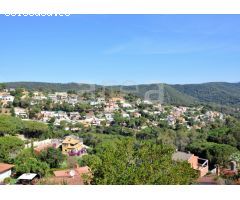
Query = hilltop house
x=5 y=171
x=74 y=116
x=116 y=100
x=21 y=113
x=196 y=163
x=61 y=96
x=72 y=99
x=45 y=116
x=6 y=98
x=73 y=145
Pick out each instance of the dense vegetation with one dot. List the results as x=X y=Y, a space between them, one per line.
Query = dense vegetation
x=9 y=148
x=219 y=93
x=126 y=161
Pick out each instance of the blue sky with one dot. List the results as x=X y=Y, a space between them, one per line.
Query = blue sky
x=120 y=49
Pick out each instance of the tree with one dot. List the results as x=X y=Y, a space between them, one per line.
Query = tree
x=10 y=125
x=26 y=162
x=2 y=86
x=34 y=111
x=128 y=162
x=34 y=129
x=9 y=148
x=215 y=153
x=53 y=157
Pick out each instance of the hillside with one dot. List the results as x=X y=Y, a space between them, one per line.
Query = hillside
x=60 y=87
x=219 y=93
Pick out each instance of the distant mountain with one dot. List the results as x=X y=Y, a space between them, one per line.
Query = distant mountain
x=219 y=93
x=60 y=87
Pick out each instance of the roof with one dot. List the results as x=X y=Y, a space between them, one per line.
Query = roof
x=27 y=176
x=181 y=156
x=69 y=173
x=83 y=170
x=62 y=173
x=72 y=140
x=207 y=180
x=4 y=167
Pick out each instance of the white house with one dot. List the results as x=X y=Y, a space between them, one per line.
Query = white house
x=7 y=98
x=5 y=171
x=147 y=102
x=126 y=105
x=74 y=116
x=109 y=117
x=20 y=112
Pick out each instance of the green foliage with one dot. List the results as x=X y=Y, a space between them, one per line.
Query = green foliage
x=222 y=136
x=34 y=111
x=34 y=129
x=215 y=153
x=235 y=157
x=219 y=93
x=53 y=157
x=127 y=162
x=10 y=125
x=2 y=86
x=28 y=163
x=9 y=148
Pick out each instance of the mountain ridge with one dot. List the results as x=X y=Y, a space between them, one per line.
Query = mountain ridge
x=220 y=93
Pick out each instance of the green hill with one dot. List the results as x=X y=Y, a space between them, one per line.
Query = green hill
x=219 y=93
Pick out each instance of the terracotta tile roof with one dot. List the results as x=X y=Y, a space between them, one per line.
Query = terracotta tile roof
x=66 y=173
x=63 y=173
x=4 y=167
x=83 y=170
x=42 y=147
x=64 y=177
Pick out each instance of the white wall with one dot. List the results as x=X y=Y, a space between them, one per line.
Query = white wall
x=5 y=175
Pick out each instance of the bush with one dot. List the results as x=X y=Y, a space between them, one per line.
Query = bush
x=10 y=125
x=9 y=148
x=215 y=153
x=34 y=129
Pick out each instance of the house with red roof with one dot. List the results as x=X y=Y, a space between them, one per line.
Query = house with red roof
x=76 y=176
x=5 y=171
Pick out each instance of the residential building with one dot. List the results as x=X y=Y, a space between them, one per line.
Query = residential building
x=196 y=163
x=21 y=113
x=5 y=171
x=72 y=144
x=74 y=116
x=76 y=176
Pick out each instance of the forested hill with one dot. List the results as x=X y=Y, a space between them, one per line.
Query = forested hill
x=58 y=87
x=220 y=93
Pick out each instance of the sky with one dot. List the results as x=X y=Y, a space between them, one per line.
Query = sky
x=120 y=49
